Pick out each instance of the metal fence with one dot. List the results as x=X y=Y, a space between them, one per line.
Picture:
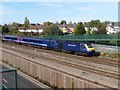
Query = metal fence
x=93 y=37
x=10 y=82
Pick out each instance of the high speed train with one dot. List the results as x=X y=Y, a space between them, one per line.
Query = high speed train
x=84 y=48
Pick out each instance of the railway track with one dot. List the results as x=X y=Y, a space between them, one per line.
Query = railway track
x=107 y=87
x=98 y=60
x=66 y=62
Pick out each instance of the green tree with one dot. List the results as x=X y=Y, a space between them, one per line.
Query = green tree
x=63 y=22
x=95 y=23
x=52 y=30
x=26 y=23
x=79 y=29
x=102 y=28
x=47 y=24
x=5 y=29
x=13 y=31
x=1 y=29
x=89 y=31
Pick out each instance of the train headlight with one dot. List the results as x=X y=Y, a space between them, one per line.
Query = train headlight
x=89 y=50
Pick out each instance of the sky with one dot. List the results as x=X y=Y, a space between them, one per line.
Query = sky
x=39 y=12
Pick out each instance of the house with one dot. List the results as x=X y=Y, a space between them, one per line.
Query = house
x=88 y=27
x=92 y=29
x=64 y=29
x=67 y=28
x=35 y=28
x=113 y=27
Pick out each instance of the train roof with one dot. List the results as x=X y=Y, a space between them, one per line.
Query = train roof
x=10 y=36
x=57 y=40
x=31 y=38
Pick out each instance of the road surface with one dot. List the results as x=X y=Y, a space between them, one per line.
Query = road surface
x=22 y=82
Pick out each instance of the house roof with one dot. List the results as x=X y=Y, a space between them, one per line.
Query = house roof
x=32 y=26
x=114 y=23
x=68 y=26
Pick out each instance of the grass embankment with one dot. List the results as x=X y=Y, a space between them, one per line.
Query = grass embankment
x=110 y=55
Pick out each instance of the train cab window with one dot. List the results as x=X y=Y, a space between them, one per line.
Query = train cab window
x=90 y=45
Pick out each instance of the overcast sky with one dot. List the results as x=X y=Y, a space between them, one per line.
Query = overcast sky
x=39 y=12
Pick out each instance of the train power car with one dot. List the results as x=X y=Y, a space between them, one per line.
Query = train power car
x=79 y=47
x=83 y=48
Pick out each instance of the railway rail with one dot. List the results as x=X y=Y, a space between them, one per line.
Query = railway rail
x=98 y=60
x=66 y=62
x=71 y=74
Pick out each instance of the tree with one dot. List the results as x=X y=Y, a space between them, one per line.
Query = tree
x=5 y=29
x=89 y=31
x=52 y=30
x=26 y=23
x=79 y=29
x=102 y=30
x=95 y=23
x=47 y=24
x=63 y=22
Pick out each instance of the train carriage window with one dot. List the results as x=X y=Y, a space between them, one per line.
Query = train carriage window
x=82 y=45
x=27 y=40
x=13 y=38
x=40 y=41
x=30 y=40
x=36 y=41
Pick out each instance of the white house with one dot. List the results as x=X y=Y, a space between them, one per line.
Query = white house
x=113 y=27
x=93 y=29
x=35 y=28
x=31 y=30
x=86 y=29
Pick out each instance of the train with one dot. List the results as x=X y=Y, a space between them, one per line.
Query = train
x=81 y=48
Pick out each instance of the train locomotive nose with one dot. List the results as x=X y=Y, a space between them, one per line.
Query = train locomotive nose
x=91 y=53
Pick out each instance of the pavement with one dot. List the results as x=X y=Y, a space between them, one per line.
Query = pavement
x=9 y=81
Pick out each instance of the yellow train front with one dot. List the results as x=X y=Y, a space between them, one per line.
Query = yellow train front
x=84 y=48
x=90 y=51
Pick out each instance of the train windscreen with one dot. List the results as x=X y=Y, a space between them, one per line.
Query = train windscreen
x=90 y=45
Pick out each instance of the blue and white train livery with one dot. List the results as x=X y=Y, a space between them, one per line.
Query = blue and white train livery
x=84 y=48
